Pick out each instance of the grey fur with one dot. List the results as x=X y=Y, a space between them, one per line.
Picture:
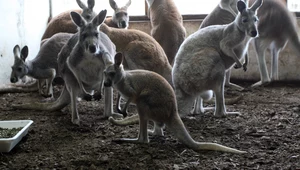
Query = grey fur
x=224 y=13
x=277 y=26
x=81 y=62
x=206 y=55
x=43 y=67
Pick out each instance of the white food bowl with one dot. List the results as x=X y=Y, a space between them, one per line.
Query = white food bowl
x=6 y=144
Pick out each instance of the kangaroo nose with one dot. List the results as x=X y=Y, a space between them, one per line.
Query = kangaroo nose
x=253 y=33
x=13 y=80
x=123 y=23
x=92 y=48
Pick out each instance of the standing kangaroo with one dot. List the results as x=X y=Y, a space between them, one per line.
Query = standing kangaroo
x=205 y=56
x=276 y=27
x=140 y=51
x=167 y=26
x=81 y=62
x=42 y=67
x=224 y=13
x=155 y=101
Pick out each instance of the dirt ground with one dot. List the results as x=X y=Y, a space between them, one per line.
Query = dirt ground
x=268 y=129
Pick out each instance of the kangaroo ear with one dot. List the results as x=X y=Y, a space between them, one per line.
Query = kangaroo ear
x=16 y=51
x=113 y=4
x=100 y=18
x=77 y=19
x=118 y=59
x=81 y=4
x=256 y=5
x=128 y=4
x=241 y=6
x=24 y=53
x=91 y=4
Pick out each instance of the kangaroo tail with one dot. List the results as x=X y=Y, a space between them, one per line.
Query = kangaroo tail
x=229 y=101
x=17 y=89
x=294 y=40
x=124 y=122
x=179 y=130
x=62 y=101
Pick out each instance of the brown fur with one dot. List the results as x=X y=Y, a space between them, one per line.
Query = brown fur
x=140 y=50
x=65 y=24
x=167 y=27
x=109 y=22
x=155 y=101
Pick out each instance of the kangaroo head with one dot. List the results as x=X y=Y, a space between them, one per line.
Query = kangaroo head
x=247 y=18
x=120 y=16
x=19 y=69
x=87 y=11
x=113 y=72
x=89 y=35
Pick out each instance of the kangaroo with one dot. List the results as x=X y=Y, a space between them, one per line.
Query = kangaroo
x=155 y=101
x=276 y=27
x=120 y=17
x=167 y=26
x=63 y=21
x=206 y=55
x=140 y=51
x=81 y=63
x=42 y=67
x=224 y=13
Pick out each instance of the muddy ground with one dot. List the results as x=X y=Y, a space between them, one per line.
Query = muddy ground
x=268 y=129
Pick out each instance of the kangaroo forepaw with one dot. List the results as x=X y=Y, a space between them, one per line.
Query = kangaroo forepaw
x=237 y=66
x=88 y=97
x=245 y=67
x=97 y=96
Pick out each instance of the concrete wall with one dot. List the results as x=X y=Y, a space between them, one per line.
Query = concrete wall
x=23 y=22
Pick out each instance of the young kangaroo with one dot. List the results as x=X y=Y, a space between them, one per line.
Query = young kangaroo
x=63 y=21
x=141 y=51
x=81 y=62
x=42 y=67
x=276 y=27
x=206 y=55
x=167 y=27
x=155 y=101
x=120 y=17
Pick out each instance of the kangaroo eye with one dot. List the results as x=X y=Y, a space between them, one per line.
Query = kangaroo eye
x=19 y=69
x=88 y=17
x=96 y=34
x=112 y=74
x=244 y=20
x=84 y=36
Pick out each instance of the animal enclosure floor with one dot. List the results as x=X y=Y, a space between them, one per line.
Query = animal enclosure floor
x=268 y=129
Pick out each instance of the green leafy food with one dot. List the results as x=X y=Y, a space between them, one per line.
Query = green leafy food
x=9 y=133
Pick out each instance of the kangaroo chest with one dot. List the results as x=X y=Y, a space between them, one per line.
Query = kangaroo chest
x=88 y=71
